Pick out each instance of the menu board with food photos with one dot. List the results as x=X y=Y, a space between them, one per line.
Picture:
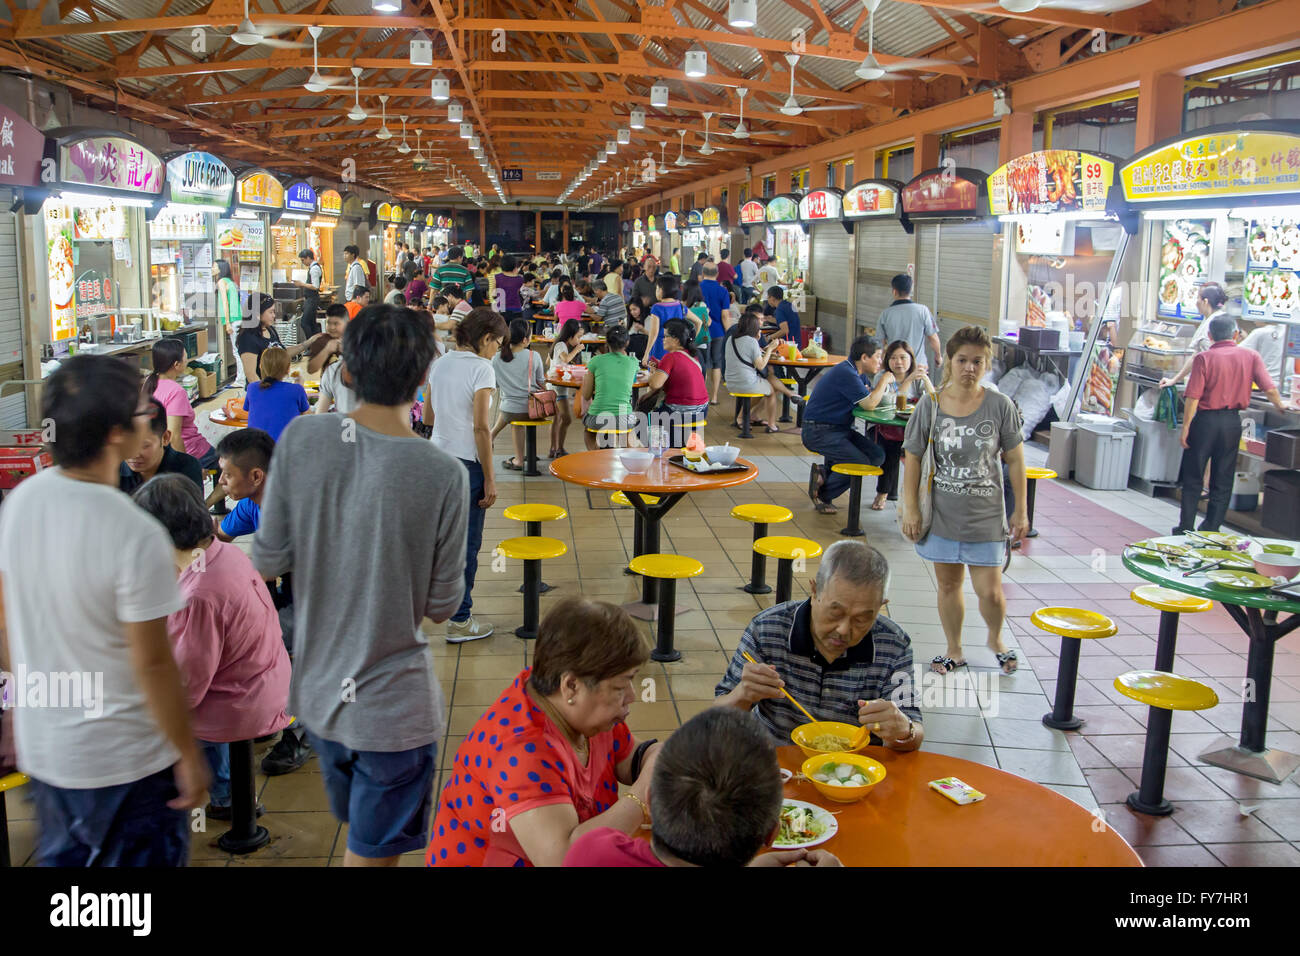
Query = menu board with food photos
x=62 y=271
x=1272 y=288
x=1184 y=266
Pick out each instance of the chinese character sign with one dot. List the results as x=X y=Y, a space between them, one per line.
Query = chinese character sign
x=1222 y=165
x=113 y=163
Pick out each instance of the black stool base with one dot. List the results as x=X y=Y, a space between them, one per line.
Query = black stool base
x=852 y=532
x=742 y=406
x=233 y=844
x=543 y=588
x=1161 y=809
x=666 y=657
x=761 y=589
x=525 y=634
x=1070 y=723
x=854 y=528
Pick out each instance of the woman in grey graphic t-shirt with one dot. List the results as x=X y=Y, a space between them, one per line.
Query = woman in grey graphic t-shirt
x=975 y=429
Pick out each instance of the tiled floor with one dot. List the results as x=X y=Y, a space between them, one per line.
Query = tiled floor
x=975 y=713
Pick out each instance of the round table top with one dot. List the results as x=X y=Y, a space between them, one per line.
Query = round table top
x=879 y=416
x=561 y=383
x=601 y=469
x=588 y=339
x=905 y=823
x=807 y=363
x=1153 y=569
x=218 y=417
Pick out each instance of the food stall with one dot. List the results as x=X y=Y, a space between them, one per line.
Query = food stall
x=291 y=233
x=673 y=243
x=1061 y=262
x=320 y=232
x=182 y=242
x=789 y=240
x=386 y=219
x=437 y=230
x=21 y=153
x=106 y=185
x=873 y=210
x=242 y=238
x=638 y=238
x=753 y=224
x=1222 y=205
x=826 y=297
x=714 y=224
x=693 y=241
x=655 y=244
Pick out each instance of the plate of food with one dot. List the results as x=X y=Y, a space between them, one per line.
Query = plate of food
x=804 y=825
x=1171 y=290
x=1174 y=550
x=1240 y=580
x=1232 y=560
x=1223 y=539
x=62 y=278
x=1288 y=246
x=1285 y=290
x=1263 y=245
x=1171 y=253
x=1258 y=289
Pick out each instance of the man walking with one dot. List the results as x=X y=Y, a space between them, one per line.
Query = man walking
x=726 y=271
x=748 y=273
x=909 y=321
x=453 y=272
x=718 y=301
x=356 y=274
x=1217 y=390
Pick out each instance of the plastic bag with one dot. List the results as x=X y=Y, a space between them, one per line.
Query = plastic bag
x=1034 y=401
x=1145 y=407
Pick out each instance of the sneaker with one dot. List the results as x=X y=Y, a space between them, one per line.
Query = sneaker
x=214 y=812
x=286 y=756
x=458 y=632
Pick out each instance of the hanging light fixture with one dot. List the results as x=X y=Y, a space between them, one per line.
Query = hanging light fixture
x=611 y=147
x=637 y=120
x=356 y=114
x=474 y=143
x=402 y=147
x=421 y=50
x=742 y=13
x=384 y=132
x=697 y=63
x=466 y=130
x=455 y=112
x=440 y=88
x=385 y=6
x=659 y=96
x=624 y=135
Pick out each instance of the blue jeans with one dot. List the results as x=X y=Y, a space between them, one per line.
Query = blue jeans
x=128 y=824
x=474 y=537
x=219 y=760
x=840 y=444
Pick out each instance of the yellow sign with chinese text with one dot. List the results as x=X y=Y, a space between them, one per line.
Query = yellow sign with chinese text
x=1216 y=165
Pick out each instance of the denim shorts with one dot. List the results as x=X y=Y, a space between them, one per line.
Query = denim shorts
x=385 y=798
x=979 y=554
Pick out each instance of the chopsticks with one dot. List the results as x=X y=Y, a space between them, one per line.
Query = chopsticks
x=811 y=718
x=1206 y=567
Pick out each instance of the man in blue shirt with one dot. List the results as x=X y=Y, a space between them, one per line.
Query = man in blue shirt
x=718 y=301
x=245 y=459
x=828 y=422
x=784 y=315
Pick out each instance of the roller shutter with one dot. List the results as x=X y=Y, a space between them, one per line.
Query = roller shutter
x=831 y=273
x=966 y=277
x=884 y=250
x=13 y=406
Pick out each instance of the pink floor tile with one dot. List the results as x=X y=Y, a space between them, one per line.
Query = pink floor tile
x=1177 y=856
x=1256 y=854
x=1220 y=821
x=1141 y=830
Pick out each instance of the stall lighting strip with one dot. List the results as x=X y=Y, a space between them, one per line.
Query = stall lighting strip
x=93 y=200
x=184 y=207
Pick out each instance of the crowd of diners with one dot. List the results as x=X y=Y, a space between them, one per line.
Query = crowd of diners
x=203 y=642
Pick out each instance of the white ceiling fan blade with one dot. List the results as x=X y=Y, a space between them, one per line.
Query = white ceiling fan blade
x=282 y=44
x=820 y=109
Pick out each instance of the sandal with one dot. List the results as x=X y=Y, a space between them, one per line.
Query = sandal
x=772 y=429
x=944 y=665
x=1008 y=662
x=878 y=504
x=826 y=508
x=509 y=464
x=815 y=481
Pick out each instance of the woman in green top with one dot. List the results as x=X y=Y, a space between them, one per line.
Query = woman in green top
x=229 y=311
x=607 y=387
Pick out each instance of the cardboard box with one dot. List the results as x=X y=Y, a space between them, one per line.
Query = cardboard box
x=207 y=383
x=202 y=341
x=19 y=463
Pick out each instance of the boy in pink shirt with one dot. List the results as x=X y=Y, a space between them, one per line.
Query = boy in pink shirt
x=226 y=639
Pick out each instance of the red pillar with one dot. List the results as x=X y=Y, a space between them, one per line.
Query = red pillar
x=482 y=230
x=537 y=232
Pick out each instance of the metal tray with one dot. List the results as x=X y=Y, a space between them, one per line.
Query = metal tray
x=680 y=462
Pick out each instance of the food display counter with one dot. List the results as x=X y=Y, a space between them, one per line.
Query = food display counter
x=673 y=243
x=1222 y=205
x=789 y=240
x=655 y=246
x=821 y=212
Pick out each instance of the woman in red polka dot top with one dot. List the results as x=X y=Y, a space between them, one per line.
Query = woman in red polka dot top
x=543 y=765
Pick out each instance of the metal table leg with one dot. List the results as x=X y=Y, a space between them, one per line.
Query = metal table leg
x=647 y=608
x=244 y=835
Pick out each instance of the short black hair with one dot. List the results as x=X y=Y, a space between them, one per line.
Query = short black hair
x=702 y=255
x=717 y=789
x=669 y=285
x=438 y=300
x=359 y=290
x=86 y=398
x=616 y=338
x=863 y=345
x=901 y=283
x=306 y=254
x=356 y=253
x=453 y=289
x=178 y=503
x=388 y=350
x=508 y=263
x=158 y=417
x=776 y=292
x=399 y=283
x=748 y=252
x=247 y=449
x=337 y=311
x=455 y=252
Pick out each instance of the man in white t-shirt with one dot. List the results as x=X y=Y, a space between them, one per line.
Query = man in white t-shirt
x=748 y=270
x=357 y=274
x=101 y=721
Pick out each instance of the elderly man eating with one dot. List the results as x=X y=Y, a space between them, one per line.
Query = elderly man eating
x=834 y=652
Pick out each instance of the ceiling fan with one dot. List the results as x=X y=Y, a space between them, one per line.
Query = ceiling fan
x=1081 y=6
x=663 y=169
x=740 y=132
x=316 y=83
x=384 y=132
x=681 y=159
x=871 y=68
x=402 y=147
x=356 y=114
x=249 y=34
x=791 y=106
x=706 y=149
x=420 y=163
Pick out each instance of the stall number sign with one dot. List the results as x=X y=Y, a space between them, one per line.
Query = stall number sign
x=511 y=174
x=1222 y=165
x=753 y=212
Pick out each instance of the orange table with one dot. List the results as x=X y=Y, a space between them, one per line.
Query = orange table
x=218 y=417
x=601 y=469
x=905 y=823
x=814 y=367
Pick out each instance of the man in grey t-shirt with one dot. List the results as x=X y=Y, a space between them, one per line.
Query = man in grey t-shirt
x=909 y=321
x=363 y=680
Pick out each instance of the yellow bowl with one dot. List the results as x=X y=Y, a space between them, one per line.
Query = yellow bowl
x=804 y=734
x=873 y=770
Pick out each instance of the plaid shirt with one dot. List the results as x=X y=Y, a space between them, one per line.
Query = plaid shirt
x=878 y=667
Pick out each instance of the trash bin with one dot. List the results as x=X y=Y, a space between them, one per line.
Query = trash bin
x=1062 y=448
x=1281 y=513
x=1103 y=455
x=1157 y=450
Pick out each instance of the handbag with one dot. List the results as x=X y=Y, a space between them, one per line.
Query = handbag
x=925 y=490
x=541 y=404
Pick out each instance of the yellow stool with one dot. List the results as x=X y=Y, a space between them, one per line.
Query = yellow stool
x=1032 y=476
x=1163 y=693
x=667 y=568
x=1170 y=604
x=532 y=551
x=760 y=516
x=680 y=432
x=10 y=781
x=1073 y=625
x=742 y=408
x=786 y=550
x=785 y=399
x=533 y=515
x=603 y=435
x=530 y=444
x=856 y=473
x=638 y=526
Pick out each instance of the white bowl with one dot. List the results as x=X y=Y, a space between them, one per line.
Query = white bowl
x=1277 y=565
x=635 y=462
x=723 y=454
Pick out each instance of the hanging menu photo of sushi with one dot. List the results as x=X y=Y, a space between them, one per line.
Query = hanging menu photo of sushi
x=1272 y=289
x=1184 y=266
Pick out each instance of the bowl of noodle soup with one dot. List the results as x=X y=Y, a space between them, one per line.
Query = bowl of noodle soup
x=824 y=737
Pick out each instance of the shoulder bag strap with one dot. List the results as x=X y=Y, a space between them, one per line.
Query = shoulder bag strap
x=739 y=358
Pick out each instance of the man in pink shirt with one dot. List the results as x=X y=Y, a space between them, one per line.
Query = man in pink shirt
x=726 y=271
x=1218 y=389
x=226 y=639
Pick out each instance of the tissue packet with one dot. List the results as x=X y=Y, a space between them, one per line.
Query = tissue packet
x=956 y=791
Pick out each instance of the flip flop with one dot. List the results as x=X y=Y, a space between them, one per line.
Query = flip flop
x=509 y=465
x=944 y=665
x=825 y=508
x=1008 y=662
